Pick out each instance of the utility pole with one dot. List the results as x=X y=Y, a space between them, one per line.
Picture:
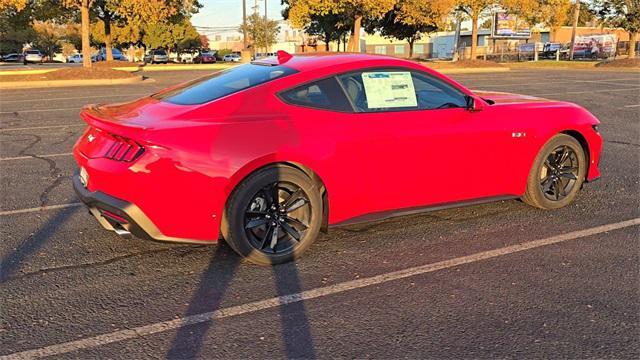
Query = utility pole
x=456 y=38
x=244 y=24
x=265 y=9
x=576 y=16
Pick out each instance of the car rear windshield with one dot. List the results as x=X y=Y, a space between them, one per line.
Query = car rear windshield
x=33 y=52
x=224 y=83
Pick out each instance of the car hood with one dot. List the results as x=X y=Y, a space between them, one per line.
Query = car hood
x=495 y=97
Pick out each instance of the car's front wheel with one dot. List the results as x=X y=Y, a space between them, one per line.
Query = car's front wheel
x=557 y=173
x=273 y=216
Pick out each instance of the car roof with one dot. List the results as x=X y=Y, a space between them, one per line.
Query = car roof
x=313 y=61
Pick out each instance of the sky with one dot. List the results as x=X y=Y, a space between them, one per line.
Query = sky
x=229 y=12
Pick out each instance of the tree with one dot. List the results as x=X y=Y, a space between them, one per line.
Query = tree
x=551 y=13
x=138 y=14
x=586 y=17
x=15 y=28
x=301 y=11
x=328 y=27
x=84 y=6
x=16 y=5
x=473 y=9
x=48 y=36
x=621 y=13
x=411 y=19
x=204 y=42
x=262 y=31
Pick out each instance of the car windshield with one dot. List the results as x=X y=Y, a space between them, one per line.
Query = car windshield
x=160 y=52
x=33 y=52
x=223 y=83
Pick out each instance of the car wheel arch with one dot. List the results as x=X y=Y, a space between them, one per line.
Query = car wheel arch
x=309 y=172
x=570 y=132
x=583 y=142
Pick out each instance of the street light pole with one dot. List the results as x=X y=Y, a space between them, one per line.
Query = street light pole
x=576 y=16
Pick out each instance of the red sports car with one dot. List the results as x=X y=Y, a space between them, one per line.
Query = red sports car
x=267 y=154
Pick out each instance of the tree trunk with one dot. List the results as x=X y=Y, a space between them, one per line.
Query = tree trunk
x=356 y=33
x=411 y=41
x=474 y=34
x=86 y=46
x=633 y=37
x=338 y=40
x=326 y=41
x=107 y=36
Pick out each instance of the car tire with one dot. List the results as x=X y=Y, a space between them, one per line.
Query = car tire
x=250 y=215
x=557 y=174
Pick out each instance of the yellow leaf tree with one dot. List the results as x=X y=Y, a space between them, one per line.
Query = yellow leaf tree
x=84 y=6
x=473 y=8
x=301 y=10
x=12 y=4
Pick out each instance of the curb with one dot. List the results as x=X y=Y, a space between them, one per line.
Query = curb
x=472 y=70
x=67 y=83
x=217 y=66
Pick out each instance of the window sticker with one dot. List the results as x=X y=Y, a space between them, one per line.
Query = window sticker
x=389 y=89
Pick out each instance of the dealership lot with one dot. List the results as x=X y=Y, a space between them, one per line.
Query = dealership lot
x=71 y=289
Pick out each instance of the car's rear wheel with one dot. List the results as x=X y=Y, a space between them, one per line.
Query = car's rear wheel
x=273 y=216
x=557 y=173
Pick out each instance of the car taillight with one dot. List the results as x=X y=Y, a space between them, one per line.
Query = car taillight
x=123 y=149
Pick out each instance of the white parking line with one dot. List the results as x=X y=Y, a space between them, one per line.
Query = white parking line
x=40 y=127
x=34 y=156
x=73 y=98
x=275 y=302
x=632 y=106
x=36 y=209
x=37 y=110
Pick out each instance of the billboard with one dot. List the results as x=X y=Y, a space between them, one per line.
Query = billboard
x=508 y=26
x=595 y=46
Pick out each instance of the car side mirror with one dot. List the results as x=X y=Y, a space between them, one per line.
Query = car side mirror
x=473 y=104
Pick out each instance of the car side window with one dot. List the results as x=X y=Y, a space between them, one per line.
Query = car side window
x=433 y=93
x=399 y=90
x=323 y=94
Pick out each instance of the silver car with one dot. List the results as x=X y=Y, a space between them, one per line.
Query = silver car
x=156 y=56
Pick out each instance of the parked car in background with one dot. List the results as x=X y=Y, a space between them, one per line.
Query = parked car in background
x=75 y=58
x=33 y=56
x=117 y=55
x=13 y=57
x=156 y=56
x=206 y=57
x=231 y=57
x=264 y=55
x=186 y=57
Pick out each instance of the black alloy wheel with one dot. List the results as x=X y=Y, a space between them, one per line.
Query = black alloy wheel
x=274 y=215
x=559 y=174
x=277 y=217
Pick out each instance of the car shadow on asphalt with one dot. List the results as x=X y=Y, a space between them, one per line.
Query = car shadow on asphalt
x=213 y=285
x=12 y=261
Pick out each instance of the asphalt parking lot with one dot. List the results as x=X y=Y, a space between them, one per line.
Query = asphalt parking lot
x=500 y=280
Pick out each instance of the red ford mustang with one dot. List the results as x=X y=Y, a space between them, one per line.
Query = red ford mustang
x=270 y=153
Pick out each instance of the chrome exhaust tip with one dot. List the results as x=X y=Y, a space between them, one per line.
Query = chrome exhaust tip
x=123 y=233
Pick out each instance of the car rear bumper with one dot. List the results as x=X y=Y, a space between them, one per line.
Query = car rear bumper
x=121 y=216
